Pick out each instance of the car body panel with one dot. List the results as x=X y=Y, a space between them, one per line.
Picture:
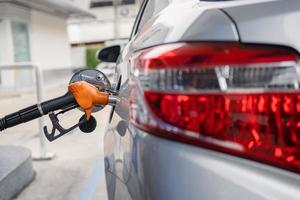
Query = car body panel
x=166 y=26
x=141 y=166
x=275 y=22
x=172 y=170
x=107 y=68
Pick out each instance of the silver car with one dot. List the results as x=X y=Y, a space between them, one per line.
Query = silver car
x=210 y=102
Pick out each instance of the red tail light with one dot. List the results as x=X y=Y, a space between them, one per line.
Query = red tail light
x=239 y=99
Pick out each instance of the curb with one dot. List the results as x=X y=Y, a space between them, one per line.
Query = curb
x=16 y=170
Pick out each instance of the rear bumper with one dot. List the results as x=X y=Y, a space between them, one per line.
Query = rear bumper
x=164 y=169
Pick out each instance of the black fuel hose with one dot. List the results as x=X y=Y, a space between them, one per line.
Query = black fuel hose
x=38 y=110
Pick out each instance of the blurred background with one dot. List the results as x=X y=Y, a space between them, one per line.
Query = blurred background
x=42 y=44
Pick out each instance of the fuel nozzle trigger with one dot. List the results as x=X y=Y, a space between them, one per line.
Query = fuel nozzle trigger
x=57 y=127
x=57 y=131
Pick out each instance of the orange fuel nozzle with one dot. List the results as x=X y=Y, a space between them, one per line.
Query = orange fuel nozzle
x=87 y=95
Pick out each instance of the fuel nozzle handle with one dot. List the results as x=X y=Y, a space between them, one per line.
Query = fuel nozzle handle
x=80 y=94
x=36 y=111
x=87 y=95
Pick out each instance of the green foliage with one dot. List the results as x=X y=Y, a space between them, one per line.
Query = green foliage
x=91 y=60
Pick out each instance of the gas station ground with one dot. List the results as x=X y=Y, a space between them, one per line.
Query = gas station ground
x=77 y=169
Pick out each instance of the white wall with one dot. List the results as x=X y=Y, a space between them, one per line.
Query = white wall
x=78 y=56
x=6 y=50
x=90 y=32
x=8 y=13
x=49 y=41
x=83 y=4
x=102 y=28
x=99 y=29
x=6 y=53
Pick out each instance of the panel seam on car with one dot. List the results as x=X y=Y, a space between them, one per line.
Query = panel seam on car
x=234 y=23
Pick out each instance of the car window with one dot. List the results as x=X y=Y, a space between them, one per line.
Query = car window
x=137 y=19
x=152 y=8
x=149 y=9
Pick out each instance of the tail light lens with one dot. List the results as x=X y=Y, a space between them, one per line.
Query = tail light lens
x=235 y=98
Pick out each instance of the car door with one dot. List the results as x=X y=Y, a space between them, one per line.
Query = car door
x=118 y=141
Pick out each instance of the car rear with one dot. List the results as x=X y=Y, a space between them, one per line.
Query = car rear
x=240 y=100
x=217 y=118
